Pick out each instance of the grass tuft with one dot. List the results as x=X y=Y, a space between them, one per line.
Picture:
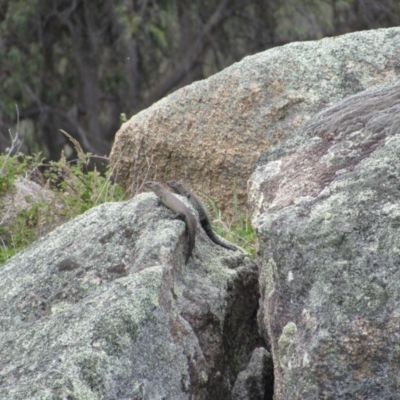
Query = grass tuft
x=238 y=230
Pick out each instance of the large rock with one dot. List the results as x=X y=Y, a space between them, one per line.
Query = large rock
x=326 y=206
x=104 y=308
x=211 y=133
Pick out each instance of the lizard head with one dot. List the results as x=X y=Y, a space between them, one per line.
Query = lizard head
x=177 y=187
x=152 y=185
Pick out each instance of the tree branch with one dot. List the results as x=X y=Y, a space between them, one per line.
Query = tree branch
x=190 y=58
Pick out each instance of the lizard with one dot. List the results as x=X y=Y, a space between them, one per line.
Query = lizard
x=181 y=211
x=177 y=187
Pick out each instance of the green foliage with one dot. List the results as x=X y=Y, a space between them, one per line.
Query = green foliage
x=158 y=35
x=238 y=231
x=76 y=63
x=17 y=234
x=20 y=14
x=235 y=365
x=80 y=189
x=20 y=232
x=19 y=165
x=9 y=169
x=19 y=64
x=72 y=190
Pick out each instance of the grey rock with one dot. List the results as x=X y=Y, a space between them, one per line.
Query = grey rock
x=257 y=379
x=327 y=214
x=211 y=133
x=105 y=308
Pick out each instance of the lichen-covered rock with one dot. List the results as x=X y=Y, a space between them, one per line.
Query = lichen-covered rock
x=105 y=308
x=326 y=206
x=210 y=133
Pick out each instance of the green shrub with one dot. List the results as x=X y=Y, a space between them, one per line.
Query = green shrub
x=72 y=190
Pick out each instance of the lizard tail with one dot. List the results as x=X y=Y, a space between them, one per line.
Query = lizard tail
x=191 y=228
x=216 y=239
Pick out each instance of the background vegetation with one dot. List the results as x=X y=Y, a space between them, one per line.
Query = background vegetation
x=77 y=65
x=36 y=196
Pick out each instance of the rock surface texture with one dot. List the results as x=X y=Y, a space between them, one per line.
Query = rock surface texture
x=104 y=308
x=326 y=206
x=256 y=381
x=211 y=133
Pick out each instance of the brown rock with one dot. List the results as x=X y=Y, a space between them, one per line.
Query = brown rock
x=211 y=133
